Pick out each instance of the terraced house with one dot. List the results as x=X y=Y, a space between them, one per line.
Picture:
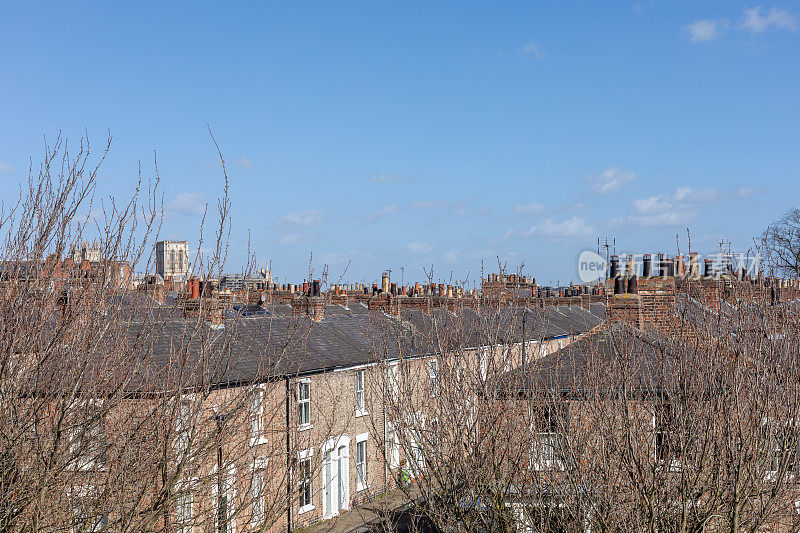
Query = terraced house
x=246 y=418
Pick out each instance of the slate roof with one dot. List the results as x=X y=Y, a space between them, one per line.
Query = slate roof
x=277 y=343
x=572 y=368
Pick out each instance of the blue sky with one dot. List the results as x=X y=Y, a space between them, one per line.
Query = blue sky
x=408 y=134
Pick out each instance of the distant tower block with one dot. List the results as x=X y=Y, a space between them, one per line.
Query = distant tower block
x=172 y=259
x=87 y=251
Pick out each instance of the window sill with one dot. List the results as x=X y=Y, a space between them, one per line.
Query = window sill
x=87 y=467
x=305 y=509
x=361 y=413
x=548 y=466
x=360 y=487
x=305 y=427
x=673 y=465
x=259 y=441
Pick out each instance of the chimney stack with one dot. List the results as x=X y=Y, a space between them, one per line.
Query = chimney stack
x=694 y=266
x=709 y=268
x=619 y=285
x=633 y=285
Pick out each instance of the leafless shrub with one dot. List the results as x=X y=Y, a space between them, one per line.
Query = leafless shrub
x=116 y=412
x=621 y=430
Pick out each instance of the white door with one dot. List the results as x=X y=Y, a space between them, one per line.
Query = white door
x=336 y=477
x=330 y=498
x=343 y=475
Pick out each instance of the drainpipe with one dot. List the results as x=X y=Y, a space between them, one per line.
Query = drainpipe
x=222 y=523
x=288 y=464
x=385 y=448
x=523 y=341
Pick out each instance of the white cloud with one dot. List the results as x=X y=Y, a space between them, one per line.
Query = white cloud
x=530 y=209
x=505 y=237
x=755 y=22
x=419 y=248
x=312 y=217
x=696 y=195
x=290 y=239
x=533 y=49
x=189 y=203
x=657 y=203
x=389 y=209
x=671 y=209
x=747 y=192
x=571 y=227
x=243 y=162
x=704 y=30
x=610 y=180
x=393 y=178
x=451 y=256
x=430 y=204
x=5 y=168
x=671 y=218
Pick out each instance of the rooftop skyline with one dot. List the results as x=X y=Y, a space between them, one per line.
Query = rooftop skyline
x=408 y=136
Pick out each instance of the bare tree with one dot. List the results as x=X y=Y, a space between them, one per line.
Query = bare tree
x=117 y=410
x=782 y=244
x=623 y=429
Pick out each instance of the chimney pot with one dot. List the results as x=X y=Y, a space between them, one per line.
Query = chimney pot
x=709 y=267
x=694 y=266
x=680 y=271
x=647 y=266
x=633 y=285
x=614 y=266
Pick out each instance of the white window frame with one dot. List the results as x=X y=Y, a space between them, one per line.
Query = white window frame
x=393 y=376
x=304 y=403
x=663 y=432
x=548 y=442
x=415 y=460
x=484 y=363
x=363 y=482
x=361 y=406
x=82 y=436
x=305 y=456
x=184 y=521
x=229 y=486
x=258 y=493
x=257 y=433
x=545 y=451
x=521 y=519
x=183 y=429
x=98 y=522
x=433 y=374
x=393 y=447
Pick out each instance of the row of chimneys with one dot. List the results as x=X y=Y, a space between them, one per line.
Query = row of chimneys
x=510 y=278
x=625 y=280
x=673 y=267
x=566 y=292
